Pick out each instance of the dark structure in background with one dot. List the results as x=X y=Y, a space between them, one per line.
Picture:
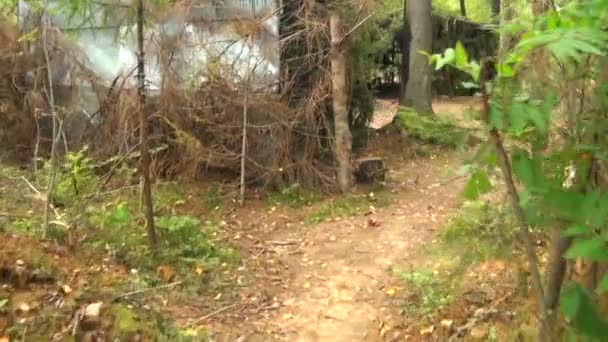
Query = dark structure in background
x=480 y=41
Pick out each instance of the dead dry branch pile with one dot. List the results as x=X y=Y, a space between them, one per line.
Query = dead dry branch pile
x=197 y=129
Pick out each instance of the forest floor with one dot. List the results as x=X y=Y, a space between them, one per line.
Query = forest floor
x=375 y=265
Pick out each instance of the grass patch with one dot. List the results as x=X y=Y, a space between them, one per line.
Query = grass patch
x=434 y=130
x=349 y=205
x=294 y=197
x=428 y=292
x=480 y=232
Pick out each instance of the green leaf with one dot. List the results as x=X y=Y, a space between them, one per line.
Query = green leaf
x=505 y=70
x=589 y=249
x=518 y=118
x=461 y=56
x=569 y=301
x=580 y=311
x=577 y=230
x=478 y=184
x=496 y=116
x=603 y=286
x=469 y=85
x=524 y=168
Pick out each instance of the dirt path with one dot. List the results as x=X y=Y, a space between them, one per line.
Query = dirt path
x=341 y=270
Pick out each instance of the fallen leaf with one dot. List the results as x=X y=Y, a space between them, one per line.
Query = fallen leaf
x=5 y=339
x=219 y=295
x=307 y=285
x=93 y=310
x=24 y=307
x=287 y=316
x=447 y=323
x=372 y=222
x=20 y=262
x=165 y=273
x=66 y=289
x=427 y=331
x=391 y=292
x=199 y=270
x=289 y=302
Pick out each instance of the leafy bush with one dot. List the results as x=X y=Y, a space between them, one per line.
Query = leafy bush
x=482 y=231
x=432 y=130
x=183 y=241
x=294 y=196
x=429 y=292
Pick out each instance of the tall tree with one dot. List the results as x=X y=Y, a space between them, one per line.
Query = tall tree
x=496 y=10
x=418 y=91
x=405 y=39
x=463 y=8
x=144 y=167
x=339 y=96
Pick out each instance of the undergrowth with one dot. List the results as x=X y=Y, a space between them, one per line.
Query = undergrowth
x=349 y=205
x=434 y=130
x=428 y=291
x=479 y=232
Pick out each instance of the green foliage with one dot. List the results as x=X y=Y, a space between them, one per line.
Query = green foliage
x=433 y=130
x=294 y=196
x=429 y=292
x=573 y=37
x=349 y=205
x=480 y=232
x=182 y=240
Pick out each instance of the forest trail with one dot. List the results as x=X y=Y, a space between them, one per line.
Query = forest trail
x=336 y=278
x=342 y=285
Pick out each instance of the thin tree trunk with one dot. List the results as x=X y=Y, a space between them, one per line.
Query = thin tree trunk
x=405 y=55
x=418 y=92
x=555 y=273
x=55 y=134
x=506 y=40
x=244 y=141
x=143 y=132
x=340 y=101
x=496 y=11
x=463 y=9
x=545 y=329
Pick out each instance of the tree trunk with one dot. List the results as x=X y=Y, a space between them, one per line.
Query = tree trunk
x=506 y=40
x=340 y=102
x=496 y=11
x=463 y=9
x=143 y=131
x=406 y=40
x=418 y=93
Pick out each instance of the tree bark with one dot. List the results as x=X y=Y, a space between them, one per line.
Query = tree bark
x=343 y=137
x=144 y=167
x=406 y=40
x=463 y=8
x=496 y=11
x=418 y=92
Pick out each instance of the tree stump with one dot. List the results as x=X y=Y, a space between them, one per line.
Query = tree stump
x=369 y=170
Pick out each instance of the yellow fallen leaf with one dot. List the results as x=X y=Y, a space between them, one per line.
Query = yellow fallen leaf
x=307 y=285
x=5 y=339
x=447 y=323
x=66 y=289
x=427 y=331
x=391 y=292
x=199 y=270
x=24 y=307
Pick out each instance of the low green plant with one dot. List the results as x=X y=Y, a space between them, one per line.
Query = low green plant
x=433 y=130
x=183 y=240
x=481 y=230
x=429 y=291
x=294 y=196
x=349 y=205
